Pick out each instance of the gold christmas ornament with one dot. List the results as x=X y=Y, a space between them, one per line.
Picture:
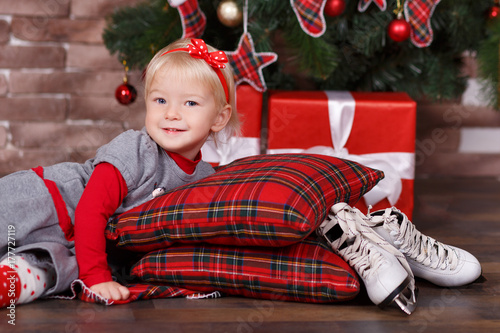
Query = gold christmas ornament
x=229 y=13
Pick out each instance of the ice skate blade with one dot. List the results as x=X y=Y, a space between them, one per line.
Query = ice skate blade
x=403 y=297
x=407 y=303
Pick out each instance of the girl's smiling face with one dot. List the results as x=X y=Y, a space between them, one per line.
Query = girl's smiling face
x=181 y=113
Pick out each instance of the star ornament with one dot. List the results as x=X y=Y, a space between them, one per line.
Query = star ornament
x=247 y=64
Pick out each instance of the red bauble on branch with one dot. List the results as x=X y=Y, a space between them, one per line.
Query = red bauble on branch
x=494 y=12
x=125 y=93
x=399 y=30
x=334 y=7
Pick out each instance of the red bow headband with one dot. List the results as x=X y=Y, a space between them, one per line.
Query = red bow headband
x=215 y=59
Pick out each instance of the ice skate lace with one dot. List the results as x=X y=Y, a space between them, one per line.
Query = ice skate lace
x=360 y=252
x=360 y=256
x=419 y=247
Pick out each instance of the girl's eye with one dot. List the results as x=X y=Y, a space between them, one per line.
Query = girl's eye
x=191 y=103
x=160 y=101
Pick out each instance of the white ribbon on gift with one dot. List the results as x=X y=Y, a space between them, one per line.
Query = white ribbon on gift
x=229 y=150
x=396 y=166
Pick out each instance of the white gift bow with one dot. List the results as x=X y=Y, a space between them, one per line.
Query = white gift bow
x=341 y=108
x=230 y=150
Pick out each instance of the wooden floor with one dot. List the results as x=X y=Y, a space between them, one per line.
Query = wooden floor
x=463 y=212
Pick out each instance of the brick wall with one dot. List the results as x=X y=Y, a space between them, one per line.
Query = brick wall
x=57 y=82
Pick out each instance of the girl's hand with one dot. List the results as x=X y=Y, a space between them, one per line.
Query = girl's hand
x=111 y=290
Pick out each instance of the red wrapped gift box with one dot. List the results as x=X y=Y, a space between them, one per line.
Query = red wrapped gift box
x=249 y=107
x=375 y=129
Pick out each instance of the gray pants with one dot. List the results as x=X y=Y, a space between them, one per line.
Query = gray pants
x=29 y=217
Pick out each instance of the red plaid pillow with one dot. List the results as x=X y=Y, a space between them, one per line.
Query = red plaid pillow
x=264 y=200
x=304 y=272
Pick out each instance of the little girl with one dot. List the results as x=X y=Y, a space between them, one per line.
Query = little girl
x=190 y=95
x=57 y=215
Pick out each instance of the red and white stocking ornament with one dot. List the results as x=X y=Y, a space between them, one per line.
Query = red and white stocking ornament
x=334 y=7
x=418 y=13
x=310 y=16
x=193 y=19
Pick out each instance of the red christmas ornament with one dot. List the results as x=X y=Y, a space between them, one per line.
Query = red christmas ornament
x=399 y=30
x=494 y=12
x=125 y=93
x=334 y=7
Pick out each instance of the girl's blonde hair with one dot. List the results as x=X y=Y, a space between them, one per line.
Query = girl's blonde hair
x=181 y=63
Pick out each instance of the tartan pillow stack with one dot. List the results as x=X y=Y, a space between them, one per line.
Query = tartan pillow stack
x=264 y=200
x=304 y=272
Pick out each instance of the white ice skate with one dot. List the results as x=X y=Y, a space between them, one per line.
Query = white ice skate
x=386 y=275
x=441 y=264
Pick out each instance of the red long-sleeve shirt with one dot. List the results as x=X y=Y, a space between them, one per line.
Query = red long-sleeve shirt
x=103 y=195
x=101 y=198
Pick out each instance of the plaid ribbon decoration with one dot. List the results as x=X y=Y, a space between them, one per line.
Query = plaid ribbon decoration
x=247 y=64
x=310 y=16
x=363 y=4
x=305 y=272
x=264 y=200
x=193 y=19
x=418 y=13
